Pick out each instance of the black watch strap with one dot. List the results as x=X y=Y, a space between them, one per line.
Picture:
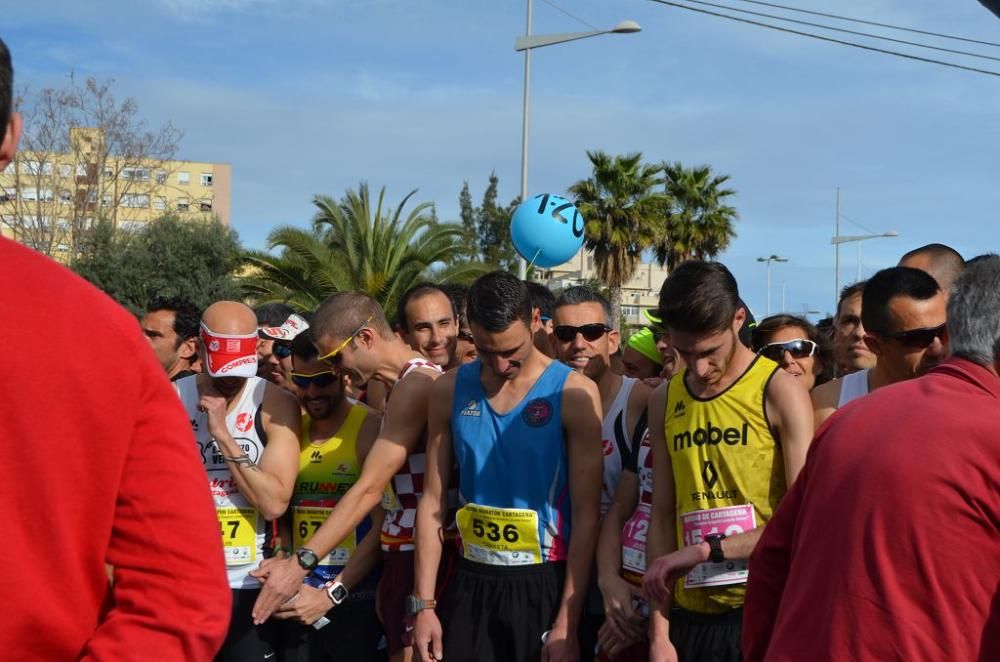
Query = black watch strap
x=714 y=540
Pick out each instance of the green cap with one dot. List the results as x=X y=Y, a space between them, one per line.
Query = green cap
x=643 y=342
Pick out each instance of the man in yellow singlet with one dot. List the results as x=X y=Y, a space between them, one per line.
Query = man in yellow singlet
x=729 y=433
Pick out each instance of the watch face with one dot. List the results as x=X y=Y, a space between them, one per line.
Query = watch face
x=307 y=559
x=412 y=605
x=339 y=593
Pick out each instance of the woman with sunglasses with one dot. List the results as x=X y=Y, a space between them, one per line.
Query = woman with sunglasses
x=797 y=346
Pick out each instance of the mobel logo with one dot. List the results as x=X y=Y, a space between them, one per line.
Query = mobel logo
x=713 y=436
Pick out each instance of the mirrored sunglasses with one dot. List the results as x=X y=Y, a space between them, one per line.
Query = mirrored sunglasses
x=319 y=379
x=798 y=348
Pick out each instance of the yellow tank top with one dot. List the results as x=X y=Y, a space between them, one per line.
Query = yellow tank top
x=729 y=475
x=326 y=472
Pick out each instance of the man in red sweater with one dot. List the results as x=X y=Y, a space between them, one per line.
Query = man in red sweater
x=99 y=466
x=887 y=546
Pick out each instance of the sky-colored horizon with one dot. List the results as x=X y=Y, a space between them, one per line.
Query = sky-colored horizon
x=312 y=97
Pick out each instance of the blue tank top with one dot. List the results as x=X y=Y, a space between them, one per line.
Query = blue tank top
x=513 y=467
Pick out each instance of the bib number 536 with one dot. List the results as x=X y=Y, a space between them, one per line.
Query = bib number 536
x=491 y=531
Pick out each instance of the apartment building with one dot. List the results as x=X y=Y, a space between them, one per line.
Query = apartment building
x=49 y=198
x=640 y=293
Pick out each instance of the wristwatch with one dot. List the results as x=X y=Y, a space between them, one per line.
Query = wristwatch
x=307 y=558
x=336 y=591
x=714 y=540
x=414 y=605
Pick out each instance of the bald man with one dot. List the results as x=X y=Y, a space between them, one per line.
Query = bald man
x=942 y=262
x=248 y=435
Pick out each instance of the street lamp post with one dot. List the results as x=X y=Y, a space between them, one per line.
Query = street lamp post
x=846 y=239
x=526 y=44
x=769 y=260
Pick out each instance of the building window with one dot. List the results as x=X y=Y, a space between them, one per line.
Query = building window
x=65 y=196
x=108 y=172
x=159 y=203
x=36 y=168
x=184 y=178
x=65 y=170
x=135 y=200
x=106 y=200
x=630 y=311
x=130 y=226
x=161 y=176
x=183 y=204
x=206 y=179
x=590 y=263
x=135 y=174
x=206 y=204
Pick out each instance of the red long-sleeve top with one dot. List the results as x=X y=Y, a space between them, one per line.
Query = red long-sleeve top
x=887 y=546
x=97 y=464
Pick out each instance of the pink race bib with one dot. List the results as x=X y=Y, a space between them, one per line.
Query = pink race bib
x=730 y=520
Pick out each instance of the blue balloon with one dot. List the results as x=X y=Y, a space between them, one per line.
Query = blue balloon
x=547 y=230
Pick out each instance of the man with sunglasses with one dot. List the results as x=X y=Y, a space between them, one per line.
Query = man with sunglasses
x=336 y=438
x=903 y=314
x=247 y=431
x=525 y=431
x=428 y=323
x=465 y=346
x=718 y=467
x=584 y=341
x=887 y=546
x=273 y=367
x=353 y=337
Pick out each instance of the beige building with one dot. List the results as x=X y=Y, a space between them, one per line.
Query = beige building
x=46 y=200
x=640 y=293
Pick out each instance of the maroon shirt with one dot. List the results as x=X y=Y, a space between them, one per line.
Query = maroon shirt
x=887 y=546
x=97 y=464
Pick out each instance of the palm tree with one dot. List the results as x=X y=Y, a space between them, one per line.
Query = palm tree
x=699 y=224
x=624 y=217
x=357 y=245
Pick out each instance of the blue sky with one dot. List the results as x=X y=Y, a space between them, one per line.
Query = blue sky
x=305 y=97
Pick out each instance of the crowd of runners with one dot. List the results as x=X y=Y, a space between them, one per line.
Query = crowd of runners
x=496 y=473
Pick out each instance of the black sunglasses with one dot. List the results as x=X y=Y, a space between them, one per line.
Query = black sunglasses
x=918 y=338
x=319 y=380
x=281 y=349
x=590 y=332
x=799 y=349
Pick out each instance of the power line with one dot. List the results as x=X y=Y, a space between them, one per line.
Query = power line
x=831 y=39
x=572 y=16
x=875 y=23
x=855 y=223
x=844 y=30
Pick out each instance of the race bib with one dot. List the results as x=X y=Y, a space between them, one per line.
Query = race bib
x=634 y=542
x=499 y=536
x=239 y=534
x=306 y=520
x=730 y=520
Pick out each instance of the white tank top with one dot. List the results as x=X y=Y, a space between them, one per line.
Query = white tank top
x=617 y=442
x=853 y=386
x=241 y=525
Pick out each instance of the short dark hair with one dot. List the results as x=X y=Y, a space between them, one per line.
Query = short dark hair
x=273 y=314
x=417 y=291
x=303 y=347
x=341 y=314
x=6 y=87
x=187 y=316
x=767 y=327
x=459 y=294
x=578 y=294
x=497 y=300
x=889 y=283
x=542 y=298
x=848 y=292
x=699 y=297
x=946 y=264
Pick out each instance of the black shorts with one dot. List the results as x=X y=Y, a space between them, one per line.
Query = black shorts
x=246 y=642
x=353 y=633
x=498 y=614
x=706 y=637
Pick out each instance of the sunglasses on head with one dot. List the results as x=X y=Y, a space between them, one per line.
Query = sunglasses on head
x=333 y=357
x=798 y=348
x=282 y=350
x=918 y=338
x=319 y=379
x=590 y=332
